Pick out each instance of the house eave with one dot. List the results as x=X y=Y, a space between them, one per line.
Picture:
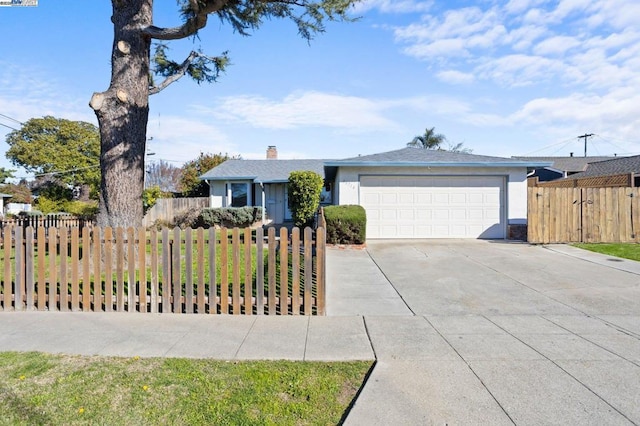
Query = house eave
x=435 y=164
x=228 y=178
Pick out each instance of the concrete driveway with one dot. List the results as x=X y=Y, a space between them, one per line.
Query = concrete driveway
x=482 y=332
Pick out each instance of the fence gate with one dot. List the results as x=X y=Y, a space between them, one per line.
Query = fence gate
x=590 y=215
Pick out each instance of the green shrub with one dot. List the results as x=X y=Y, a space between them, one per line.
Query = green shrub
x=49 y=205
x=82 y=209
x=151 y=195
x=346 y=224
x=305 y=188
x=230 y=217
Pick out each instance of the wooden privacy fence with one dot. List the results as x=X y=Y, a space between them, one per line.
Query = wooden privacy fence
x=590 y=215
x=228 y=271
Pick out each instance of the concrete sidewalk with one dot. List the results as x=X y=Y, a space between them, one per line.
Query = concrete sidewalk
x=189 y=336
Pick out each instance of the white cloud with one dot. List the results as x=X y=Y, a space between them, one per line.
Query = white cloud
x=557 y=45
x=393 y=6
x=306 y=109
x=455 y=77
x=181 y=139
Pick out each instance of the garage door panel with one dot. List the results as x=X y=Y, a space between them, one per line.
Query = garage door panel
x=433 y=206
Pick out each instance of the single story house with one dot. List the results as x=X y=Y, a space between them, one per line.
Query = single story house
x=407 y=193
x=561 y=167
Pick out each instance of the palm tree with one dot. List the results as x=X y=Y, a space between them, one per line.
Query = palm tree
x=430 y=140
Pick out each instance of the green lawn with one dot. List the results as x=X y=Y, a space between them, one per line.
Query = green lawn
x=57 y=389
x=626 y=251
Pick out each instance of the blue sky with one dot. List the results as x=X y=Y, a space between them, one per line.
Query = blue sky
x=518 y=77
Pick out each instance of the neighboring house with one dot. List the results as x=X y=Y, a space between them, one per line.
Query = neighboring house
x=627 y=168
x=15 y=208
x=407 y=193
x=2 y=197
x=561 y=167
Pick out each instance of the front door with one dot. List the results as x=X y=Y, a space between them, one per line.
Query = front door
x=287 y=211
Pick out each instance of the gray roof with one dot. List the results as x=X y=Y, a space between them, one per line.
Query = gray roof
x=566 y=164
x=615 y=166
x=414 y=157
x=264 y=171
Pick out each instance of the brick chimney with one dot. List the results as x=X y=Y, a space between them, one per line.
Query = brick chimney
x=272 y=152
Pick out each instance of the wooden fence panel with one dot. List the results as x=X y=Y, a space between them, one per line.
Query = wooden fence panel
x=591 y=215
x=73 y=264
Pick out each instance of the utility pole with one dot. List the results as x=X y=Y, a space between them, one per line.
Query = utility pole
x=585 y=136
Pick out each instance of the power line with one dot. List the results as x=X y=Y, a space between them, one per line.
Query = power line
x=12 y=128
x=563 y=143
x=12 y=119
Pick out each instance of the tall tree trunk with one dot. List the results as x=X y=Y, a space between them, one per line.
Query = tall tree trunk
x=122 y=112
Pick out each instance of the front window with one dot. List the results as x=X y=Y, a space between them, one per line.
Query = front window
x=239 y=194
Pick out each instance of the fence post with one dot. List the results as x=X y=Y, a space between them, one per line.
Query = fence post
x=284 y=271
x=260 y=271
x=295 y=271
x=308 y=270
x=29 y=268
x=224 y=271
x=271 y=271
x=175 y=271
x=7 y=290
x=166 y=271
x=213 y=274
x=20 y=269
x=320 y=271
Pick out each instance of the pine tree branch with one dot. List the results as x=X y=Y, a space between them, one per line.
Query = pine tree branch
x=182 y=70
x=197 y=21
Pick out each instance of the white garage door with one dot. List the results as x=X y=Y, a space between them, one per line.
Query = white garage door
x=433 y=206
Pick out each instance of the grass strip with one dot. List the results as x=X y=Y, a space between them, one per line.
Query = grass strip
x=625 y=251
x=39 y=388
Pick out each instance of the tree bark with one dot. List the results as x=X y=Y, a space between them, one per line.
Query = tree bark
x=123 y=112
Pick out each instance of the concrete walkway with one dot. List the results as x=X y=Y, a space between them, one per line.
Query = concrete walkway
x=463 y=332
